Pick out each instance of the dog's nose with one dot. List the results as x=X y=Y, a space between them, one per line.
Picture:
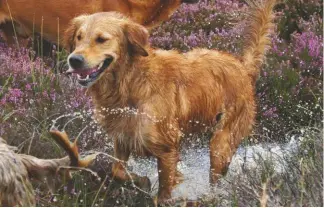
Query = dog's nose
x=76 y=61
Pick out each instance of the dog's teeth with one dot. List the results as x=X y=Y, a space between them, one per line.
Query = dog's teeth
x=80 y=77
x=70 y=70
x=100 y=65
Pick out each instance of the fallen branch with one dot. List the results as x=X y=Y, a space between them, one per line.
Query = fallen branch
x=16 y=170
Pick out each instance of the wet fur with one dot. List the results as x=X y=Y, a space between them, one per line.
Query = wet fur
x=167 y=95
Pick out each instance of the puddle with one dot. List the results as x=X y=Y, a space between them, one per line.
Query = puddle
x=195 y=166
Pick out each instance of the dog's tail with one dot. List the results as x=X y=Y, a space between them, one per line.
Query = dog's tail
x=261 y=17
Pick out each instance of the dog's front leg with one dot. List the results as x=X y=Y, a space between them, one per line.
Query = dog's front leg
x=119 y=168
x=167 y=167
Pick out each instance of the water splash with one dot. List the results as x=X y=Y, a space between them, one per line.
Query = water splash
x=195 y=161
x=195 y=167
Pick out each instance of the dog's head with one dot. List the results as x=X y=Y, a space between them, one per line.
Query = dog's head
x=99 y=42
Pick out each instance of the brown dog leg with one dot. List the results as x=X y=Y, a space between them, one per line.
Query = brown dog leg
x=167 y=167
x=221 y=152
x=8 y=33
x=178 y=178
x=120 y=173
x=13 y=38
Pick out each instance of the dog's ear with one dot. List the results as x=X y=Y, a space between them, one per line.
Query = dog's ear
x=137 y=36
x=70 y=32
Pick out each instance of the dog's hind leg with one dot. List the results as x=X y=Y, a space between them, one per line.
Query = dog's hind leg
x=226 y=140
x=221 y=152
x=178 y=178
x=8 y=32
x=14 y=37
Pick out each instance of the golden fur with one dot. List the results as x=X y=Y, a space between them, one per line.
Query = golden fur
x=49 y=16
x=148 y=99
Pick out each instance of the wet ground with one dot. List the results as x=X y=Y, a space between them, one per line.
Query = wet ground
x=195 y=166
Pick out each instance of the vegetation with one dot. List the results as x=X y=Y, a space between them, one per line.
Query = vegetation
x=33 y=98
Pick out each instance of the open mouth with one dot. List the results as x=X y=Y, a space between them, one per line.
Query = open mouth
x=86 y=77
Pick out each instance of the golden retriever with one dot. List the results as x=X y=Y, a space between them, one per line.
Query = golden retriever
x=50 y=17
x=149 y=99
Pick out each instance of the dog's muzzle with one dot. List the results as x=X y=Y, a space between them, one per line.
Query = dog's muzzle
x=87 y=76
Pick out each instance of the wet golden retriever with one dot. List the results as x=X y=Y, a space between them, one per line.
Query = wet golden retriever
x=51 y=17
x=148 y=99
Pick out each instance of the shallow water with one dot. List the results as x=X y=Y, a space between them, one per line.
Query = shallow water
x=195 y=166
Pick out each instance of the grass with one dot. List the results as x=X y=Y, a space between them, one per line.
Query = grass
x=298 y=183
x=33 y=98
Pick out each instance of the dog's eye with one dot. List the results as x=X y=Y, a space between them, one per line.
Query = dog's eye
x=79 y=37
x=100 y=40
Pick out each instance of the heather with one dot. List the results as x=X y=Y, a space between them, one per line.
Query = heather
x=289 y=92
x=290 y=85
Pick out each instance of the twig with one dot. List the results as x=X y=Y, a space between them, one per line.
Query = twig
x=13 y=25
x=31 y=141
x=102 y=184
x=264 y=196
x=77 y=168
